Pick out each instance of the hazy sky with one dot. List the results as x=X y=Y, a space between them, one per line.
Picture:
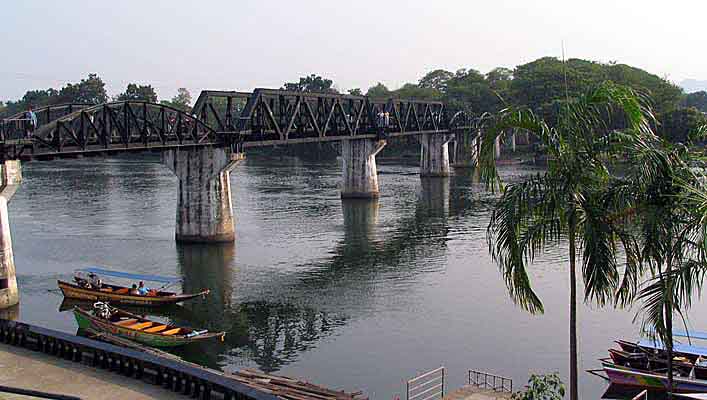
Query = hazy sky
x=243 y=44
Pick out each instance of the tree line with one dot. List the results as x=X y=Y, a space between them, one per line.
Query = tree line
x=91 y=90
x=540 y=85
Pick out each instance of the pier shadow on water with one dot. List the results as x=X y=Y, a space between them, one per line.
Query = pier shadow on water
x=269 y=334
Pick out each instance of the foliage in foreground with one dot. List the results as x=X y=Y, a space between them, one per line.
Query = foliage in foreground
x=542 y=387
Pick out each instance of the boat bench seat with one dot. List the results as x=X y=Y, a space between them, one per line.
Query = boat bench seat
x=126 y=322
x=155 y=329
x=171 y=331
x=140 y=326
x=122 y=291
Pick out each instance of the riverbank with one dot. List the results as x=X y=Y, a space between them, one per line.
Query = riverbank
x=26 y=369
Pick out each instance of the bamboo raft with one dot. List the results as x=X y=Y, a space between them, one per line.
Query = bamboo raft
x=290 y=389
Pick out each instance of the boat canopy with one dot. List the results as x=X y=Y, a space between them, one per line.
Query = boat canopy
x=691 y=335
x=127 y=275
x=677 y=347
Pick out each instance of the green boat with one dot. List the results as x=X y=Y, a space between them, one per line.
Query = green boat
x=104 y=318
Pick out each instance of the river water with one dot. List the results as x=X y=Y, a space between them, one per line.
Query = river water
x=353 y=295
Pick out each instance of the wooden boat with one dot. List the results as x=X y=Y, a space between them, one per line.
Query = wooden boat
x=116 y=294
x=120 y=295
x=130 y=326
x=647 y=379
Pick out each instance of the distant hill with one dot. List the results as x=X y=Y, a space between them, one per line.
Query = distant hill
x=693 y=85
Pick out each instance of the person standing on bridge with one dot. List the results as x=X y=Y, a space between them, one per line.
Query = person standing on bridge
x=382 y=122
x=31 y=122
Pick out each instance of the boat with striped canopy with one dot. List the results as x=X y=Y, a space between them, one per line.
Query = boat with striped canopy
x=83 y=289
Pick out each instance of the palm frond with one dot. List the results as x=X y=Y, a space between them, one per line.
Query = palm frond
x=525 y=220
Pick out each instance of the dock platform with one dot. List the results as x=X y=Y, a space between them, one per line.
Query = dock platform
x=471 y=392
x=27 y=369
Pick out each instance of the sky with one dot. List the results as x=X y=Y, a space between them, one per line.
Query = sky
x=241 y=45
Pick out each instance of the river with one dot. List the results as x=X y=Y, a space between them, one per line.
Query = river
x=353 y=295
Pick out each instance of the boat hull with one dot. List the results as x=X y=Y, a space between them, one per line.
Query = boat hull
x=649 y=380
x=76 y=292
x=88 y=322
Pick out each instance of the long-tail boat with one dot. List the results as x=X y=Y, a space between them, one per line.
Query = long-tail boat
x=83 y=289
x=644 y=364
x=104 y=318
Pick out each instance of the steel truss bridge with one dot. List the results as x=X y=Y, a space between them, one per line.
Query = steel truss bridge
x=239 y=120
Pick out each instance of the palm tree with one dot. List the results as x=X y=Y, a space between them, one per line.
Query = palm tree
x=670 y=219
x=568 y=203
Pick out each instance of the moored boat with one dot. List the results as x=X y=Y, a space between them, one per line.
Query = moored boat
x=104 y=318
x=82 y=289
x=646 y=379
x=644 y=364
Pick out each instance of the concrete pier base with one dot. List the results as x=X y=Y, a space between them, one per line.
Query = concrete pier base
x=434 y=157
x=204 y=210
x=10 y=179
x=466 y=149
x=359 y=172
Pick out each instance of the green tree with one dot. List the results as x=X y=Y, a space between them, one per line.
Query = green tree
x=312 y=83
x=182 y=100
x=565 y=204
x=469 y=89
x=436 y=79
x=355 y=92
x=379 y=91
x=697 y=100
x=681 y=124
x=90 y=90
x=139 y=93
x=412 y=91
x=542 y=387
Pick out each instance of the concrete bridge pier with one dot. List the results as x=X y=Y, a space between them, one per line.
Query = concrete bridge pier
x=434 y=157
x=359 y=172
x=466 y=149
x=204 y=210
x=10 y=179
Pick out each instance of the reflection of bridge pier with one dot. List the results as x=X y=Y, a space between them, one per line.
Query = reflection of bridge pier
x=207 y=267
x=204 y=210
x=434 y=196
x=360 y=218
x=11 y=178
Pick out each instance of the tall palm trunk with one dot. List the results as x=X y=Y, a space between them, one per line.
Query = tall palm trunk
x=669 y=322
x=573 y=312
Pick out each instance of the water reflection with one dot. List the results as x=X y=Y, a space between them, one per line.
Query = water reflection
x=271 y=334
